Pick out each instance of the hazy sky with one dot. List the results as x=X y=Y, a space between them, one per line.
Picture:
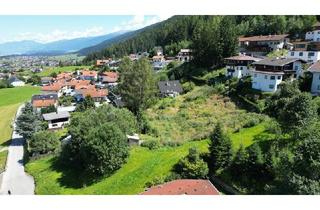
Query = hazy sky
x=51 y=28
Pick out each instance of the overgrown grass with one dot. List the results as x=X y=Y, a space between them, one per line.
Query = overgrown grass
x=193 y=116
x=47 y=71
x=143 y=166
x=7 y=114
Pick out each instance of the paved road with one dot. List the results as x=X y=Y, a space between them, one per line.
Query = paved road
x=14 y=178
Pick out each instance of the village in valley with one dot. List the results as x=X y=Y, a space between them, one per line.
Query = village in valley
x=169 y=120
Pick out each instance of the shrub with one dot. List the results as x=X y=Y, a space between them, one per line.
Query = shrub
x=252 y=122
x=188 y=86
x=151 y=144
x=44 y=142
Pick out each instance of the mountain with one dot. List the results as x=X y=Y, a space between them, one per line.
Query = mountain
x=56 y=47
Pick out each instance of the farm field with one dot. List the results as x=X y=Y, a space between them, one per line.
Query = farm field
x=50 y=70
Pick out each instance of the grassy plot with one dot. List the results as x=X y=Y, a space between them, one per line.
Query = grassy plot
x=7 y=114
x=9 y=96
x=3 y=159
x=143 y=166
x=48 y=71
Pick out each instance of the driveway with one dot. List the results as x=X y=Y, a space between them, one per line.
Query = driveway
x=14 y=178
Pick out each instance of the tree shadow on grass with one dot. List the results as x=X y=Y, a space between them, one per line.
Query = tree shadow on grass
x=72 y=178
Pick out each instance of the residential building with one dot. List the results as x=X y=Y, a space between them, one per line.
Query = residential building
x=46 y=80
x=170 y=88
x=240 y=65
x=185 y=55
x=89 y=75
x=315 y=70
x=270 y=72
x=98 y=95
x=57 y=120
x=309 y=56
x=103 y=62
x=43 y=101
x=15 y=82
x=109 y=77
x=184 y=187
x=134 y=140
x=259 y=45
x=56 y=87
x=314 y=35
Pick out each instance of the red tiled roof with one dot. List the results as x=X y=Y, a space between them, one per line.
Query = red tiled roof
x=110 y=74
x=94 y=93
x=43 y=103
x=184 y=187
x=89 y=73
x=53 y=87
x=263 y=38
x=315 y=67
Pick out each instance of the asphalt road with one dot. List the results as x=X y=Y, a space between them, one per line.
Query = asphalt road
x=14 y=178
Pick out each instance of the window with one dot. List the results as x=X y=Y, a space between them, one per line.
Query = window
x=241 y=68
x=292 y=53
x=319 y=77
x=300 y=53
x=272 y=77
x=311 y=54
x=279 y=77
x=266 y=76
x=271 y=86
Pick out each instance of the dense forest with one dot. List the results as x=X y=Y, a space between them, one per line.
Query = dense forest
x=212 y=32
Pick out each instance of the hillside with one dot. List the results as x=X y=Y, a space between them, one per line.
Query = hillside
x=180 y=28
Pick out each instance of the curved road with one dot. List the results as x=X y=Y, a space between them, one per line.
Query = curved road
x=14 y=178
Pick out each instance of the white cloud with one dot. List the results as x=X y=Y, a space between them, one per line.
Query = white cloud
x=60 y=35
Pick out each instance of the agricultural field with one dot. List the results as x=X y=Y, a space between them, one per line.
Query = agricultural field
x=49 y=70
x=10 y=99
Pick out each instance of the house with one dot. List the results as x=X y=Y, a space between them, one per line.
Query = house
x=46 y=80
x=170 y=88
x=15 y=82
x=240 y=65
x=43 y=101
x=315 y=70
x=89 y=75
x=270 y=72
x=115 y=100
x=158 y=51
x=98 y=95
x=314 y=35
x=109 y=77
x=57 y=120
x=262 y=44
x=56 y=87
x=134 y=139
x=185 y=55
x=104 y=62
x=158 y=58
x=308 y=49
x=65 y=76
x=184 y=187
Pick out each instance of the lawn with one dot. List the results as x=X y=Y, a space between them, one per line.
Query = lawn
x=143 y=166
x=47 y=71
x=10 y=99
x=3 y=159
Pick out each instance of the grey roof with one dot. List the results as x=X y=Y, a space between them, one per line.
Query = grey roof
x=170 y=86
x=14 y=79
x=277 y=61
x=44 y=79
x=55 y=115
x=44 y=97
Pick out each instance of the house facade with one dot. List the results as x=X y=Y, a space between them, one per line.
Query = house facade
x=57 y=120
x=309 y=56
x=315 y=85
x=314 y=35
x=185 y=55
x=269 y=73
x=15 y=82
x=239 y=66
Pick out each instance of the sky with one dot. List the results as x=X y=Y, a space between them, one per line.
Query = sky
x=46 y=29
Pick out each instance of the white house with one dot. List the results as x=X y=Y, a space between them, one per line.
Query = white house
x=185 y=55
x=15 y=82
x=240 y=66
x=270 y=72
x=314 y=35
x=57 y=120
x=309 y=56
x=315 y=70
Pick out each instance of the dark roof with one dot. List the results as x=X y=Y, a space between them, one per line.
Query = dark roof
x=315 y=67
x=277 y=61
x=44 y=97
x=44 y=79
x=263 y=38
x=14 y=79
x=170 y=86
x=55 y=115
x=184 y=187
x=243 y=58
